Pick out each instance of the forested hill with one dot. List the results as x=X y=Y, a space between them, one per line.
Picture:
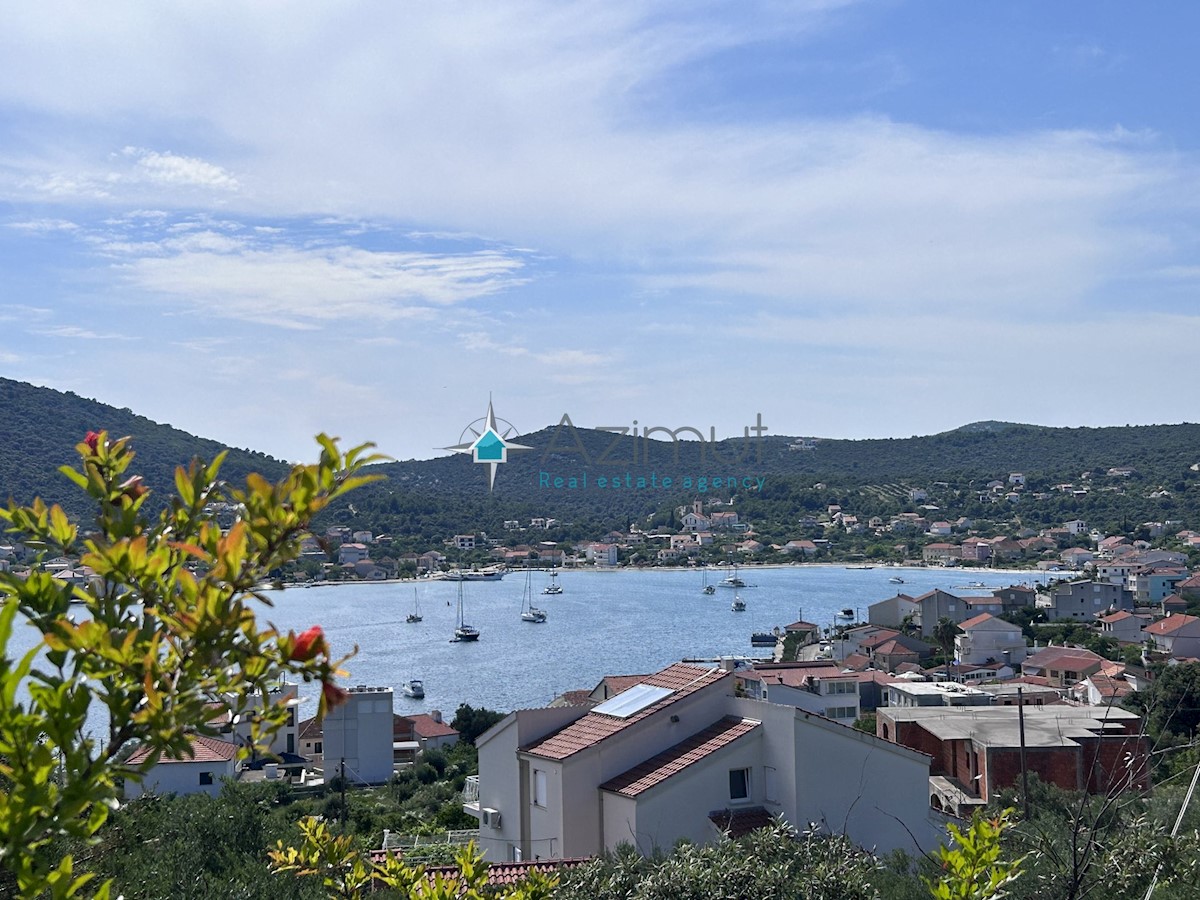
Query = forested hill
x=428 y=500
x=40 y=427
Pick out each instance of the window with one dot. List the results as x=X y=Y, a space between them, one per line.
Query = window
x=318 y=747
x=739 y=784
x=291 y=743
x=539 y=787
x=206 y=778
x=841 y=712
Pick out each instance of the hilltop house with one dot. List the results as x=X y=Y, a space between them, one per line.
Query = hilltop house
x=1063 y=666
x=678 y=756
x=213 y=761
x=986 y=639
x=1084 y=600
x=1177 y=635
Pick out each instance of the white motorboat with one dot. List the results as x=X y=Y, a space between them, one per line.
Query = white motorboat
x=414 y=689
x=738 y=604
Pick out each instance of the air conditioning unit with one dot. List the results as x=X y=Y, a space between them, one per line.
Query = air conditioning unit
x=491 y=817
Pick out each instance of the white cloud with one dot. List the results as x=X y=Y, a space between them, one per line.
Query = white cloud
x=43 y=226
x=87 y=334
x=170 y=169
x=300 y=287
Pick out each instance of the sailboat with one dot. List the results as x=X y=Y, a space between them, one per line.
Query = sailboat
x=553 y=587
x=732 y=580
x=529 y=612
x=463 y=632
x=738 y=604
x=708 y=588
x=415 y=615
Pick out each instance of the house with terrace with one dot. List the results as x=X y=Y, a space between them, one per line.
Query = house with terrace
x=977 y=750
x=679 y=756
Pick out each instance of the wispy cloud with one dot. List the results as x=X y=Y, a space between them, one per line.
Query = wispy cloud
x=171 y=169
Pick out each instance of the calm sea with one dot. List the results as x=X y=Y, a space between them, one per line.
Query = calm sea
x=604 y=623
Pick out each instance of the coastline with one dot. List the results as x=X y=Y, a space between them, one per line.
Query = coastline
x=607 y=570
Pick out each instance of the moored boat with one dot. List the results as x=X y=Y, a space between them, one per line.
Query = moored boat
x=463 y=632
x=414 y=688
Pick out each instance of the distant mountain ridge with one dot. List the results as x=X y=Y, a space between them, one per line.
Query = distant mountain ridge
x=39 y=428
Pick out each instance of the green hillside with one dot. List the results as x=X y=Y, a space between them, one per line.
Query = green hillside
x=423 y=502
x=40 y=427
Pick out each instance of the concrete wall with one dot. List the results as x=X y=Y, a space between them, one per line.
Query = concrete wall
x=359 y=732
x=503 y=781
x=679 y=807
x=182 y=778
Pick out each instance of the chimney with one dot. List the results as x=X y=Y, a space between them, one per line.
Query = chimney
x=436 y=715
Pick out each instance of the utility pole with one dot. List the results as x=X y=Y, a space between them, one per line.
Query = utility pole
x=1024 y=768
x=343 y=792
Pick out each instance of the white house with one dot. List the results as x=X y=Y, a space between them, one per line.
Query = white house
x=213 y=761
x=678 y=756
x=602 y=554
x=358 y=735
x=1124 y=627
x=352 y=553
x=1177 y=635
x=985 y=639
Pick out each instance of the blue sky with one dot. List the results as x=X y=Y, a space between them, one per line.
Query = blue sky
x=861 y=219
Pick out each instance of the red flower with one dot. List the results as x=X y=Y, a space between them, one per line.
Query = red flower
x=333 y=695
x=92 y=439
x=309 y=644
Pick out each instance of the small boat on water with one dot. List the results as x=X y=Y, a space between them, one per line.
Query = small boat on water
x=738 y=604
x=847 y=613
x=763 y=639
x=414 y=689
x=463 y=632
x=896 y=579
x=553 y=587
x=732 y=580
x=475 y=575
x=415 y=615
x=529 y=612
x=706 y=588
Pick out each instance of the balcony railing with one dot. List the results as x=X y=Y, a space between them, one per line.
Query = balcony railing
x=470 y=796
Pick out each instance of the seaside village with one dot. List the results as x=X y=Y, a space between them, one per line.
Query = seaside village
x=962 y=704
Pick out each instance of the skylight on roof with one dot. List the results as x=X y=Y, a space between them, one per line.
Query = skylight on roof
x=634 y=700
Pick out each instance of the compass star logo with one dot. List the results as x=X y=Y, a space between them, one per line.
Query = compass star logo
x=487 y=441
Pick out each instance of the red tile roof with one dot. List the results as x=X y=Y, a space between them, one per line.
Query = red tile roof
x=1170 y=624
x=892 y=647
x=1111 y=687
x=976 y=620
x=617 y=683
x=577 y=698
x=594 y=727
x=1054 y=657
x=206 y=749
x=740 y=822
x=882 y=636
x=425 y=726
x=504 y=873
x=674 y=760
